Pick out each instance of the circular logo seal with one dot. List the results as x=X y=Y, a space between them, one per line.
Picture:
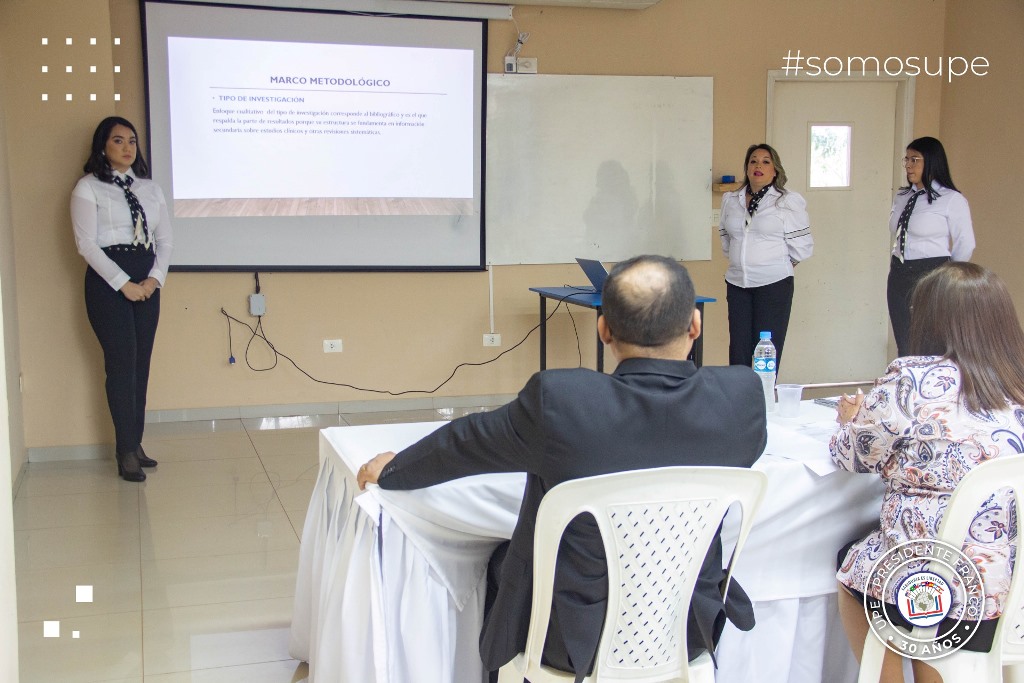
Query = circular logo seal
x=927 y=579
x=923 y=598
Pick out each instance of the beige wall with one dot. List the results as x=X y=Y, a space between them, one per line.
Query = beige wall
x=980 y=129
x=400 y=331
x=46 y=143
x=12 y=441
x=12 y=451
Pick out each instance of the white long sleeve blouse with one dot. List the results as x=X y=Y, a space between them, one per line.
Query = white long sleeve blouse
x=101 y=218
x=764 y=251
x=941 y=228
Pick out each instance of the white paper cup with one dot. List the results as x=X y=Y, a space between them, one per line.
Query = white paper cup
x=789 y=399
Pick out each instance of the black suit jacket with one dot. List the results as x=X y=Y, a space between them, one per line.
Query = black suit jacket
x=567 y=424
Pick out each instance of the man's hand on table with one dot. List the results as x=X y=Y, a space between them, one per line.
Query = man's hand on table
x=371 y=470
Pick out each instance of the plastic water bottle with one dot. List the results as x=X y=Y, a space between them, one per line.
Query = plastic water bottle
x=764 y=366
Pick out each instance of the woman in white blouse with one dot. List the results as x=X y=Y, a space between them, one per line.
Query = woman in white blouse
x=765 y=231
x=956 y=402
x=123 y=232
x=930 y=224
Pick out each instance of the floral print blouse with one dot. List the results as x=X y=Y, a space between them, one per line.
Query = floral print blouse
x=915 y=433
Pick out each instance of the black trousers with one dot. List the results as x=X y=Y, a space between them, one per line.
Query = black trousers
x=126 y=330
x=753 y=309
x=555 y=654
x=903 y=277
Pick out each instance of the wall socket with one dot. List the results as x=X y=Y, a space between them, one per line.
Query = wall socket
x=332 y=346
x=492 y=340
x=526 y=65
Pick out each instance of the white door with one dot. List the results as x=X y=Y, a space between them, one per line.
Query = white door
x=839 y=329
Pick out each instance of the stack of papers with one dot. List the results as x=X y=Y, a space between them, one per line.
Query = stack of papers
x=804 y=438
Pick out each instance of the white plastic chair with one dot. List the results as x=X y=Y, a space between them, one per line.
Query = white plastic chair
x=1008 y=644
x=1013 y=643
x=664 y=517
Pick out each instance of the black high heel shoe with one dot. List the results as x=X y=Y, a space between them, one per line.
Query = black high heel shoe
x=145 y=460
x=129 y=468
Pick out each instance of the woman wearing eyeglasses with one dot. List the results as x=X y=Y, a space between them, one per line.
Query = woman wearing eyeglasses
x=930 y=225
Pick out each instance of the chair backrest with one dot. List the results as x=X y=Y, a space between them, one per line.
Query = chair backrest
x=657 y=525
x=1008 y=643
x=968 y=497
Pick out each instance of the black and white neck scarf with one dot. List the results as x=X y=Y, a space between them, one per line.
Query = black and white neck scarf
x=755 y=199
x=903 y=222
x=142 y=235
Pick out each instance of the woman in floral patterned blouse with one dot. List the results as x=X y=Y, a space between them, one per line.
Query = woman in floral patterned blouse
x=955 y=403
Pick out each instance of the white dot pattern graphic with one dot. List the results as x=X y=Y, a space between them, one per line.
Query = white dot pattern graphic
x=68 y=68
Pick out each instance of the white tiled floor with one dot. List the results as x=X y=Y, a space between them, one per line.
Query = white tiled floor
x=193 y=571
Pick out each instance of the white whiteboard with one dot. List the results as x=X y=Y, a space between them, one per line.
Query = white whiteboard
x=603 y=167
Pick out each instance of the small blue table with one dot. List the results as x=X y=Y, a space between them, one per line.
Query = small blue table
x=588 y=298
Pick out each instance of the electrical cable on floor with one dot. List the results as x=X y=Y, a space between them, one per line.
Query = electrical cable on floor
x=258 y=331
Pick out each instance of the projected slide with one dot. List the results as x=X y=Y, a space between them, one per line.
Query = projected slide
x=343 y=129
x=308 y=139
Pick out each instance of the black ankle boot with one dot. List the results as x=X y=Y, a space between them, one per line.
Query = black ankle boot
x=128 y=466
x=145 y=460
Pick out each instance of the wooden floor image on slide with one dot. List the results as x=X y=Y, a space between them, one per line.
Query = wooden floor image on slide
x=323 y=206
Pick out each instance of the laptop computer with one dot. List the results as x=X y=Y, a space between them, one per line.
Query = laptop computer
x=594 y=271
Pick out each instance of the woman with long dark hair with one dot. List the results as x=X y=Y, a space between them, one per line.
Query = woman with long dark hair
x=953 y=404
x=123 y=232
x=765 y=232
x=930 y=224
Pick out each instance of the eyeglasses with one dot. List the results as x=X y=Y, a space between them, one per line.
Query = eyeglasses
x=911 y=161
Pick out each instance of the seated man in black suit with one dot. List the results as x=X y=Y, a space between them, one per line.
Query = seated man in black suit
x=656 y=410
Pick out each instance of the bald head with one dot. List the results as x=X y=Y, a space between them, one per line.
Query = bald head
x=648 y=301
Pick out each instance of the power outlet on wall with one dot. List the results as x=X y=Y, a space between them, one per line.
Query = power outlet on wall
x=332 y=346
x=526 y=65
x=492 y=340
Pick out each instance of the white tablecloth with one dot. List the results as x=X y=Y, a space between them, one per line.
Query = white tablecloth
x=788 y=564
x=390 y=584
